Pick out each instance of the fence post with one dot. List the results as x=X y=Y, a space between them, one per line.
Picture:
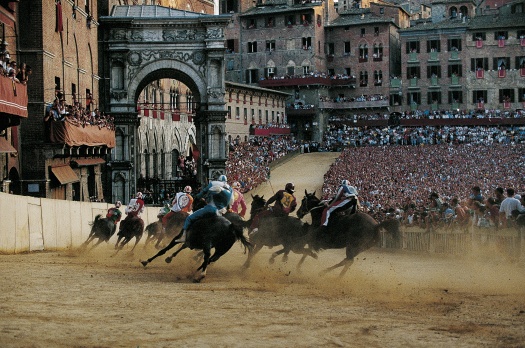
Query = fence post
x=431 y=241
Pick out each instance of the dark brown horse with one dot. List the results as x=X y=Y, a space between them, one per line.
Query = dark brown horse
x=155 y=230
x=130 y=227
x=285 y=231
x=356 y=232
x=101 y=229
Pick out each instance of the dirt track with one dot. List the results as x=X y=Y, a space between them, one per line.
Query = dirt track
x=387 y=299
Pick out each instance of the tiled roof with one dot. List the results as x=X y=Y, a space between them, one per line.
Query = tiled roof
x=474 y=23
x=263 y=10
x=359 y=19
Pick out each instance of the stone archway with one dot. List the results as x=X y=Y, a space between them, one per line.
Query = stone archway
x=142 y=44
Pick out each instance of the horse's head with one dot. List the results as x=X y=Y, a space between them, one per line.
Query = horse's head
x=258 y=203
x=309 y=202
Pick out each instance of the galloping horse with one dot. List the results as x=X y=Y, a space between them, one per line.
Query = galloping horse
x=173 y=227
x=130 y=227
x=273 y=231
x=101 y=229
x=205 y=234
x=356 y=232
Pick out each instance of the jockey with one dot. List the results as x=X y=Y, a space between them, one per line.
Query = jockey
x=135 y=206
x=219 y=196
x=114 y=213
x=285 y=203
x=239 y=205
x=345 y=198
x=183 y=201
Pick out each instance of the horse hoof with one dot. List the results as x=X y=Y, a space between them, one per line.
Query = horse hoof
x=168 y=260
x=144 y=263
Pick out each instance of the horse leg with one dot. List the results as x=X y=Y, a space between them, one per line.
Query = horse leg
x=161 y=252
x=199 y=277
x=251 y=254
x=137 y=240
x=168 y=259
x=347 y=262
x=277 y=253
x=118 y=241
x=306 y=253
x=100 y=240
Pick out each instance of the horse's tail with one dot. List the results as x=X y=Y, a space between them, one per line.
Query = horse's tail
x=391 y=226
x=98 y=217
x=239 y=235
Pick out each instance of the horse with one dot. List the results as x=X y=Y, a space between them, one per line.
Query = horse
x=213 y=232
x=156 y=231
x=130 y=227
x=273 y=231
x=102 y=229
x=356 y=232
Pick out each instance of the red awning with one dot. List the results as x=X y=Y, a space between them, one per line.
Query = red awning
x=5 y=146
x=13 y=97
x=65 y=174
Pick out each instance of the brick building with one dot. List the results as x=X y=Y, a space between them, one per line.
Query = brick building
x=58 y=159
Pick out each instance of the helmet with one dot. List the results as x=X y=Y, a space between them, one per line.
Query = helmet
x=290 y=187
x=353 y=191
x=139 y=194
x=118 y=204
x=345 y=183
x=236 y=185
x=223 y=178
x=187 y=189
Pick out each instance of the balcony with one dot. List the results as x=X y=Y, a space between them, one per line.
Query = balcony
x=13 y=102
x=434 y=81
x=353 y=105
x=413 y=57
x=454 y=55
x=65 y=132
x=412 y=83
x=433 y=56
x=454 y=80
x=395 y=83
x=307 y=81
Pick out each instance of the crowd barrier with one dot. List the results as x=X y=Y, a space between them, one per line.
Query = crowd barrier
x=38 y=224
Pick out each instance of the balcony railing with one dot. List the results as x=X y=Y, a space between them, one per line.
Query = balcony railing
x=13 y=97
x=412 y=57
x=433 y=56
x=304 y=81
x=395 y=83
x=64 y=132
x=454 y=80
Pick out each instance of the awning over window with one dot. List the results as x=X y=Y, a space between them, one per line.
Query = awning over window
x=88 y=161
x=64 y=174
x=5 y=147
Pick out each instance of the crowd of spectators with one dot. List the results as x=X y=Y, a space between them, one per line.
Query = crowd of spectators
x=10 y=69
x=390 y=178
x=249 y=162
x=77 y=114
x=340 y=135
x=311 y=74
x=361 y=98
x=270 y=125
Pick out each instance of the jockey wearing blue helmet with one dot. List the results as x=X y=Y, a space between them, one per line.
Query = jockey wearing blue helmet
x=219 y=196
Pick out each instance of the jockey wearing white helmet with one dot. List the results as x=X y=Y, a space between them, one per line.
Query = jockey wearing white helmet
x=219 y=196
x=345 y=198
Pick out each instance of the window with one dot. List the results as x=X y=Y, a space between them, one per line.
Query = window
x=229 y=6
x=306 y=19
x=479 y=96
x=382 y=10
x=521 y=95
x=454 y=44
x=479 y=64
x=500 y=63
x=331 y=49
x=230 y=46
x=520 y=62
x=433 y=71
x=348 y=71
x=453 y=12
x=57 y=85
x=252 y=75
x=237 y=113
x=481 y=36
x=506 y=95
x=290 y=71
x=376 y=31
x=455 y=70
x=347 y=48
x=230 y=64
x=252 y=23
x=413 y=72
x=270 y=45
x=413 y=98
x=378 y=52
x=290 y=20
x=363 y=32
x=307 y=43
x=270 y=22
x=412 y=47
x=363 y=78
x=433 y=98
x=363 y=53
x=378 y=78
x=501 y=35
x=306 y=69
x=455 y=97
x=433 y=46
x=229 y=112
x=270 y=72
x=252 y=47
x=331 y=72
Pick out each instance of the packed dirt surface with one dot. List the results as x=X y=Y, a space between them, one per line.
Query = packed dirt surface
x=387 y=298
